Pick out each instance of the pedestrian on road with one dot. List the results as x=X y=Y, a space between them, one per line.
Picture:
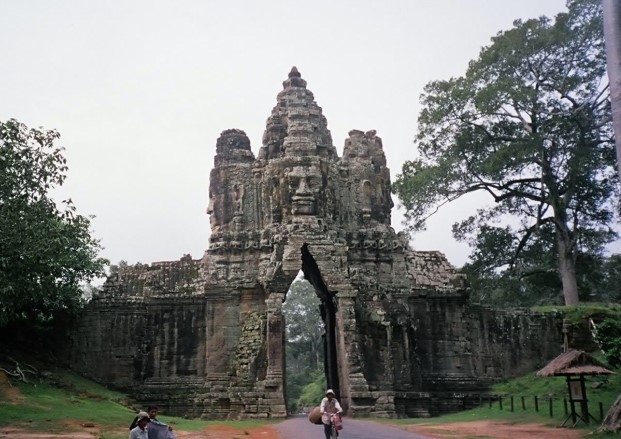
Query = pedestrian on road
x=140 y=430
x=153 y=411
x=329 y=407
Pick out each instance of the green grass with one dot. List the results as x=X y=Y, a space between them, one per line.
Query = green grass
x=44 y=404
x=47 y=408
x=47 y=405
x=529 y=386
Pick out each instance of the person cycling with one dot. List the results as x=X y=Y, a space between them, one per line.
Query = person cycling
x=329 y=407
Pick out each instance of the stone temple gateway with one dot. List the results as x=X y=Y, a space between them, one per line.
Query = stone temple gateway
x=206 y=337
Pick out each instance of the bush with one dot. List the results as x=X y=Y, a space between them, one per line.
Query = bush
x=312 y=393
x=608 y=336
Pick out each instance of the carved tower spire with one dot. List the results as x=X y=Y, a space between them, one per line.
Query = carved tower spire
x=296 y=126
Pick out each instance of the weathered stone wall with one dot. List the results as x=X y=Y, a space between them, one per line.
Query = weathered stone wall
x=438 y=352
x=156 y=333
x=206 y=337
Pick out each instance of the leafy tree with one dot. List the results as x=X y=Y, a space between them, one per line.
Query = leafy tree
x=313 y=392
x=530 y=125
x=610 y=286
x=116 y=268
x=46 y=252
x=597 y=276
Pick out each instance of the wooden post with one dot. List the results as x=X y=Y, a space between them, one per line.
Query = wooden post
x=565 y=406
x=523 y=403
x=511 y=403
x=584 y=405
x=551 y=405
x=536 y=404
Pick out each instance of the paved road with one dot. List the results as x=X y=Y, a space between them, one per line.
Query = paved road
x=298 y=427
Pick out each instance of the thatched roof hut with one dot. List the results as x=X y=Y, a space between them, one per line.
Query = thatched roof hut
x=574 y=362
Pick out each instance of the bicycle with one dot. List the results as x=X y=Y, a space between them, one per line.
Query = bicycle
x=335 y=425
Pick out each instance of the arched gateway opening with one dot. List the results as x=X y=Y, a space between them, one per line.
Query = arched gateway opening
x=327 y=309
x=310 y=348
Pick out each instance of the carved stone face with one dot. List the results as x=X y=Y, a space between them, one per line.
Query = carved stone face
x=211 y=203
x=224 y=201
x=304 y=184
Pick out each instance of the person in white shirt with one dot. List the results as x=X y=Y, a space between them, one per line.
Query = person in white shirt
x=140 y=431
x=329 y=406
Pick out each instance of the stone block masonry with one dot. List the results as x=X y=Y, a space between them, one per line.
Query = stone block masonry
x=205 y=337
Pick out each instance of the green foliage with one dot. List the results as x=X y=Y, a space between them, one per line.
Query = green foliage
x=598 y=278
x=304 y=346
x=313 y=392
x=529 y=124
x=45 y=252
x=579 y=314
x=609 y=289
x=608 y=336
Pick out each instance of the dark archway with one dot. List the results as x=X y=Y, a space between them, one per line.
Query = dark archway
x=328 y=315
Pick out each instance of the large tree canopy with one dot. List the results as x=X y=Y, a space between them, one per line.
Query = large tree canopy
x=46 y=252
x=530 y=125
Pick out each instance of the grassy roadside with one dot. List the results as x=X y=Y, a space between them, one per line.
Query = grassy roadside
x=529 y=386
x=63 y=402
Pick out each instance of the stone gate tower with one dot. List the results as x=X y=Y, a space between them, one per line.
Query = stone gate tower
x=206 y=337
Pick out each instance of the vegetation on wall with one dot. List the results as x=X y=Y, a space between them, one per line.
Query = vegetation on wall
x=608 y=336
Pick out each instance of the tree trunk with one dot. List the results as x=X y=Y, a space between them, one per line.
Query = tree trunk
x=612 y=421
x=567 y=267
x=316 y=343
x=612 y=37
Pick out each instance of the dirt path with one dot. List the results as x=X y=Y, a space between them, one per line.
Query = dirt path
x=222 y=432
x=462 y=430
x=493 y=429
x=212 y=432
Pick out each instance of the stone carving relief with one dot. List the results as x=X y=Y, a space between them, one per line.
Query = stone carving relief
x=215 y=325
x=304 y=186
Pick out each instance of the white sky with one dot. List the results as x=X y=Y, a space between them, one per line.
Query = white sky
x=140 y=91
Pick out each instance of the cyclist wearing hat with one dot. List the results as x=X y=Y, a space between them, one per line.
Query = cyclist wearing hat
x=329 y=406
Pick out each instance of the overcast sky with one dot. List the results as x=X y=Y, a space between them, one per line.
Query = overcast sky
x=140 y=91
